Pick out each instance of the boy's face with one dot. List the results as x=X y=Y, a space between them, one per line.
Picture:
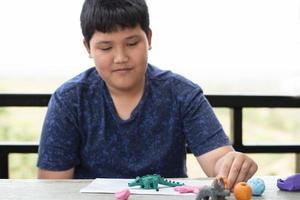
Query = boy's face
x=121 y=57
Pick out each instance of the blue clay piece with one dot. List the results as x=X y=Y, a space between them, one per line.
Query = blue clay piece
x=257 y=185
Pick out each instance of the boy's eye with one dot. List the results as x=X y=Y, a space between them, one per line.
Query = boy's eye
x=132 y=43
x=105 y=49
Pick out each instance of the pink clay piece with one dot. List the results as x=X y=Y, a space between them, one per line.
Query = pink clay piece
x=123 y=194
x=187 y=189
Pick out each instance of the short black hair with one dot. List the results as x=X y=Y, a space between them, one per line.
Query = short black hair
x=109 y=15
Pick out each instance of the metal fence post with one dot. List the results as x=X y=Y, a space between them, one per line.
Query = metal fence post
x=297 y=167
x=3 y=165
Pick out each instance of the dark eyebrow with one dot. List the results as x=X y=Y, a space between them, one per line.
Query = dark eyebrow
x=133 y=37
x=127 y=38
x=103 y=42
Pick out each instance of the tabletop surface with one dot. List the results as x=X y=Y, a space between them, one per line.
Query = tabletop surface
x=35 y=189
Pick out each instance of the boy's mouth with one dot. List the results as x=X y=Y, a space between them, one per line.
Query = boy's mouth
x=122 y=69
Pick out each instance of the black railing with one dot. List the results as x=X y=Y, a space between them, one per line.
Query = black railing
x=235 y=103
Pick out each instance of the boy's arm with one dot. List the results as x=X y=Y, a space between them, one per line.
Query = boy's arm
x=226 y=162
x=59 y=142
x=46 y=174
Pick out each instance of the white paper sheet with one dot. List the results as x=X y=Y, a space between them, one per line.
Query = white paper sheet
x=102 y=185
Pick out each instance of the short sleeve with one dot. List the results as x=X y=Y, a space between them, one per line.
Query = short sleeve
x=202 y=129
x=59 y=143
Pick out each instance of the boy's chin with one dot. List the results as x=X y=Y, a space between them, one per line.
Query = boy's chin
x=125 y=87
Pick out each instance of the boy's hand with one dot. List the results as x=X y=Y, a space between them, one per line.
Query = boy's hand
x=236 y=166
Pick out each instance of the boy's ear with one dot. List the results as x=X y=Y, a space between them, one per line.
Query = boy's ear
x=149 y=37
x=87 y=47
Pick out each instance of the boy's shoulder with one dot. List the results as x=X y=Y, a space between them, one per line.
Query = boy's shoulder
x=83 y=81
x=156 y=74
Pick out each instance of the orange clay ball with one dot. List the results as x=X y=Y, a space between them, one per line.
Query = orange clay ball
x=242 y=191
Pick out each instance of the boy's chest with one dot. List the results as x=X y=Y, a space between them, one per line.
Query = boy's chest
x=153 y=122
x=150 y=127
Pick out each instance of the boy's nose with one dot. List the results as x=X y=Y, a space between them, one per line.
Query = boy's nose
x=120 y=56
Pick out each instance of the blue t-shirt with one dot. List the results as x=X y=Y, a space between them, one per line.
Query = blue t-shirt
x=83 y=130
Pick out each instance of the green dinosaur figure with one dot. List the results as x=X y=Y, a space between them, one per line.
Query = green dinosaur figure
x=152 y=181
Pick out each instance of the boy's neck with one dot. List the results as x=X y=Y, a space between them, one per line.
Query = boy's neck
x=125 y=101
x=138 y=90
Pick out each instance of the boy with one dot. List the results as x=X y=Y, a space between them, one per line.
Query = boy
x=126 y=118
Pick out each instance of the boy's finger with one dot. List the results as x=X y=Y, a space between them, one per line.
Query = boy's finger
x=225 y=167
x=251 y=171
x=242 y=176
x=235 y=170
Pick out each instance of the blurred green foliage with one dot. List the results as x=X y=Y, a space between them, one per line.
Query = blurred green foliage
x=21 y=124
x=271 y=126
x=22 y=166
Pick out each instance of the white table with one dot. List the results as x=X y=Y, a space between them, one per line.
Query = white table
x=33 y=189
